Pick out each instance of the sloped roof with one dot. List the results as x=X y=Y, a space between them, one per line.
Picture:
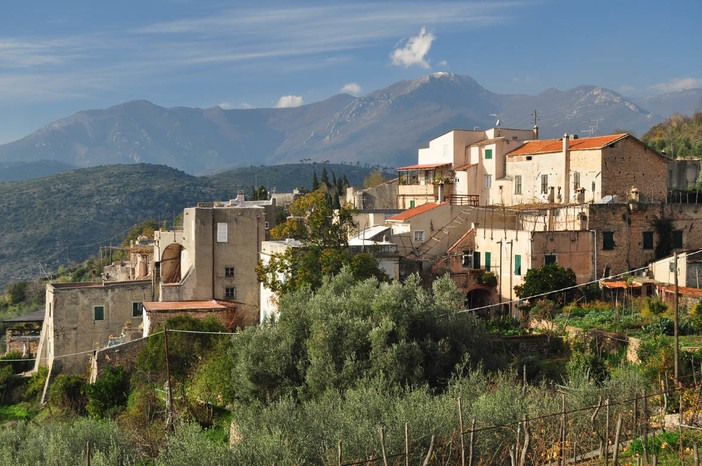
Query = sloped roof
x=457 y=243
x=425 y=166
x=620 y=284
x=465 y=167
x=211 y=304
x=684 y=290
x=368 y=233
x=414 y=211
x=36 y=316
x=556 y=145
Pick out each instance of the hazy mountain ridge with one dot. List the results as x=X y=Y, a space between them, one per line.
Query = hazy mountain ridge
x=385 y=126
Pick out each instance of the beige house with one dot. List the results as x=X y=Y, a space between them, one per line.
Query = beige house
x=460 y=166
x=81 y=317
x=572 y=170
x=215 y=255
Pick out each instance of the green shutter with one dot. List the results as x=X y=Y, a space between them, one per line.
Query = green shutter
x=549 y=259
x=487 y=261
x=488 y=153
x=517 y=264
x=411 y=204
x=99 y=313
x=476 y=260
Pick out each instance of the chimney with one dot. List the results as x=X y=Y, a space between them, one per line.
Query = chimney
x=441 y=194
x=536 y=132
x=240 y=196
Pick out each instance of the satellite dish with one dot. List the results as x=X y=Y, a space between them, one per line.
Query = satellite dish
x=498 y=122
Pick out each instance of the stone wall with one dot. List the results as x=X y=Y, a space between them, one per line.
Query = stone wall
x=124 y=355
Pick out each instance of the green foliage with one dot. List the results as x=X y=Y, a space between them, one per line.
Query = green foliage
x=488 y=279
x=184 y=350
x=17 y=292
x=347 y=331
x=59 y=444
x=587 y=364
x=545 y=279
x=68 y=392
x=656 y=306
x=36 y=383
x=189 y=446
x=108 y=395
x=505 y=325
x=680 y=136
x=18 y=366
x=374 y=179
x=146 y=228
x=658 y=443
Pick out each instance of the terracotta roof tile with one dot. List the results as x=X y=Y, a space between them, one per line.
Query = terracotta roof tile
x=211 y=304
x=685 y=291
x=409 y=213
x=620 y=284
x=465 y=167
x=556 y=145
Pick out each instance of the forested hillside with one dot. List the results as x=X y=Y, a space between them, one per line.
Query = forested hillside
x=680 y=136
x=64 y=218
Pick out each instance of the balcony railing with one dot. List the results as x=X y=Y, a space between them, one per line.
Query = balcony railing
x=464 y=199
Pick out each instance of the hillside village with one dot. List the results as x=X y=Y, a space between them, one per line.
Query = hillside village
x=482 y=207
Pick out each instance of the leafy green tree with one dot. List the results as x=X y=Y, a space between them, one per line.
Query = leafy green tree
x=108 y=395
x=348 y=331
x=146 y=228
x=68 y=392
x=545 y=279
x=374 y=179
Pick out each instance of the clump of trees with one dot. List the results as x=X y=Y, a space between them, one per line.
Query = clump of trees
x=323 y=233
x=546 y=279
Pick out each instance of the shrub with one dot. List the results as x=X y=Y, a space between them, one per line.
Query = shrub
x=18 y=366
x=35 y=386
x=108 y=395
x=68 y=392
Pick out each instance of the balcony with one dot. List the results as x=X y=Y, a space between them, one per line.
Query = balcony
x=463 y=199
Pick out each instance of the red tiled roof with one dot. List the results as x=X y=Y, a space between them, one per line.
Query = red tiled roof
x=684 y=290
x=620 y=284
x=211 y=304
x=409 y=213
x=464 y=167
x=556 y=145
x=425 y=166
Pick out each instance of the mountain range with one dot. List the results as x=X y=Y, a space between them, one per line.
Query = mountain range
x=384 y=127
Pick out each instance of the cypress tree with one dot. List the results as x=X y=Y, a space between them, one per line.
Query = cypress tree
x=315 y=181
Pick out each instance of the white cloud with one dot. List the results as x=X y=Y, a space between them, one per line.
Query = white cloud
x=351 y=88
x=246 y=105
x=414 y=51
x=675 y=85
x=443 y=63
x=289 y=101
x=226 y=106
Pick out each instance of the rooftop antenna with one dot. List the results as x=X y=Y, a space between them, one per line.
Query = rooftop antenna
x=499 y=118
x=536 y=117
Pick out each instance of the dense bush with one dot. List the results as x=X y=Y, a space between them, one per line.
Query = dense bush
x=108 y=395
x=68 y=392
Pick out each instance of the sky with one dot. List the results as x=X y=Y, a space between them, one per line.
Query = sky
x=57 y=58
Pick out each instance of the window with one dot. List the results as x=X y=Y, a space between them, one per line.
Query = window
x=488 y=153
x=677 y=239
x=222 y=232
x=230 y=292
x=518 y=184
x=517 y=264
x=576 y=180
x=593 y=186
x=476 y=260
x=488 y=256
x=648 y=240
x=411 y=204
x=488 y=181
x=446 y=150
x=608 y=240
x=136 y=309
x=418 y=236
x=467 y=261
x=229 y=272
x=99 y=312
x=544 y=184
x=549 y=259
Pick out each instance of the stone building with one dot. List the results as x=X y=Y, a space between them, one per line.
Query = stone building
x=81 y=317
x=572 y=170
x=215 y=255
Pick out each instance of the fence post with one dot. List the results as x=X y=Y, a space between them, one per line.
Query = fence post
x=606 y=446
x=470 y=445
x=696 y=454
x=525 y=448
x=339 y=452
x=406 y=444
x=645 y=426
x=616 y=440
x=460 y=421
x=88 y=453
x=382 y=446
x=563 y=429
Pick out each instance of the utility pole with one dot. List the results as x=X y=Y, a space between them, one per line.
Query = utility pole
x=510 y=271
x=169 y=423
x=675 y=327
